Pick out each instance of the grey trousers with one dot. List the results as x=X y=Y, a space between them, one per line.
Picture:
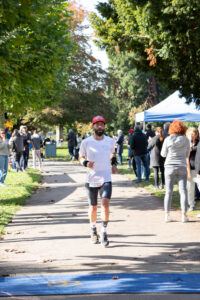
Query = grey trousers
x=180 y=172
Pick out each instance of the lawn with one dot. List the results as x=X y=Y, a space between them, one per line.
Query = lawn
x=19 y=187
x=150 y=185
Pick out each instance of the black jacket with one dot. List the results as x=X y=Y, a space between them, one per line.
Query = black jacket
x=155 y=145
x=138 y=143
x=150 y=133
x=71 y=138
x=192 y=156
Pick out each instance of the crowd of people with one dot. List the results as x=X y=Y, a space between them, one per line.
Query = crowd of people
x=173 y=152
x=15 y=150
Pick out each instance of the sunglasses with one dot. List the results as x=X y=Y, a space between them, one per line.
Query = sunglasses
x=3 y=132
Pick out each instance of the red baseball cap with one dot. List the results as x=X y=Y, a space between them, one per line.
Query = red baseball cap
x=131 y=130
x=98 y=119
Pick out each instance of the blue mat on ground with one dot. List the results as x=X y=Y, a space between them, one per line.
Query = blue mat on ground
x=100 y=284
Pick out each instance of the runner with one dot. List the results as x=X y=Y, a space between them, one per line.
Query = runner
x=95 y=154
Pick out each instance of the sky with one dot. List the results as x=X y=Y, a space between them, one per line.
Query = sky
x=89 y=5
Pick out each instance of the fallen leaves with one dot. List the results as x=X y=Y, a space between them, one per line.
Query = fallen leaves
x=14 y=251
x=46 y=261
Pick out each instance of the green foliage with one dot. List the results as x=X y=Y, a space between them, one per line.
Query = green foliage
x=35 y=50
x=164 y=35
x=130 y=88
x=85 y=93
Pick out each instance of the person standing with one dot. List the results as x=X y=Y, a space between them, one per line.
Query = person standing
x=71 y=138
x=78 y=140
x=120 y=143
x=176 y=149
x=17 y=145
x=36 y=145
x=192 y=135
x=27 y=140
x=129 y=149
x=156 y=160
x=166 y=129
x=149 y=133
x=97 y=154
x=138 y=144
x=4 y=155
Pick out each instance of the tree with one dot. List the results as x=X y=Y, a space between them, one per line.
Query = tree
x=164 y=35
x=131 y=89
x=85 y=92
x=35 y=51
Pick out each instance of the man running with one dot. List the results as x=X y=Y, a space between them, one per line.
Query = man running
x=97 y=154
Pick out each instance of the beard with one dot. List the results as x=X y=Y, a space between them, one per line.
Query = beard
x=99 y=132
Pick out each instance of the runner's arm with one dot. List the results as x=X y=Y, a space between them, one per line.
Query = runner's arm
x=86 y=163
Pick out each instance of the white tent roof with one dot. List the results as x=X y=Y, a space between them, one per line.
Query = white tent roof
x=173 y=107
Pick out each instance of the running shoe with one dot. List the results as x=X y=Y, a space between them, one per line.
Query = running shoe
x=104 y=239
x=185 y=219
x=94 y=236
x=167 y=218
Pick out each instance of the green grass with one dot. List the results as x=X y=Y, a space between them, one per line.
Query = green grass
x=19 y=187
x=149 y=186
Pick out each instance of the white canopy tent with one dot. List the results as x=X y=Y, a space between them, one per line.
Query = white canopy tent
x=173 y=107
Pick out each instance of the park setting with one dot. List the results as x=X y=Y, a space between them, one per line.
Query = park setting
x=99 y=149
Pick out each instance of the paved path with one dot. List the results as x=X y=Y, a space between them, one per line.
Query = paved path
x=50 y=235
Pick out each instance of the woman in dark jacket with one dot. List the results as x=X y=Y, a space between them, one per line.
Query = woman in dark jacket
x=156 y=160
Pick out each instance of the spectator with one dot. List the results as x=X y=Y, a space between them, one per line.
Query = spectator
x=176 y=148
x=156 y=160
x=138 y=144
x=71 y=138
x=27 y=140
x=129 y=149
x=4 y=155
x=36 y=144
x=149 y=133
x=120 y=142
x=17 y=145
x=192 y=135
x=166 y=129
x=41 y=146
x=78 y=140
x=47 y=140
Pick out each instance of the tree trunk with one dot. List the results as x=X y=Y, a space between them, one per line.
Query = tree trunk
x=152 y=99
x=59 y=133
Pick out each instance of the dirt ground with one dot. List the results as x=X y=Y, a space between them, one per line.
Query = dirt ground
x=51 y=233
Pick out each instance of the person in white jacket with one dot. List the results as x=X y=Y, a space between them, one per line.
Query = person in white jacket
x=176 y=148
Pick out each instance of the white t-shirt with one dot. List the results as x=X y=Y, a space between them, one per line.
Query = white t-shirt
x=100 y=152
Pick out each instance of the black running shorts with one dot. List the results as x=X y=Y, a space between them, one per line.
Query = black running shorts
x=105 y=191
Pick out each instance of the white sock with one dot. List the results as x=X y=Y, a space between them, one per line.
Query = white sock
x=93 y=224
x=103 y=229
